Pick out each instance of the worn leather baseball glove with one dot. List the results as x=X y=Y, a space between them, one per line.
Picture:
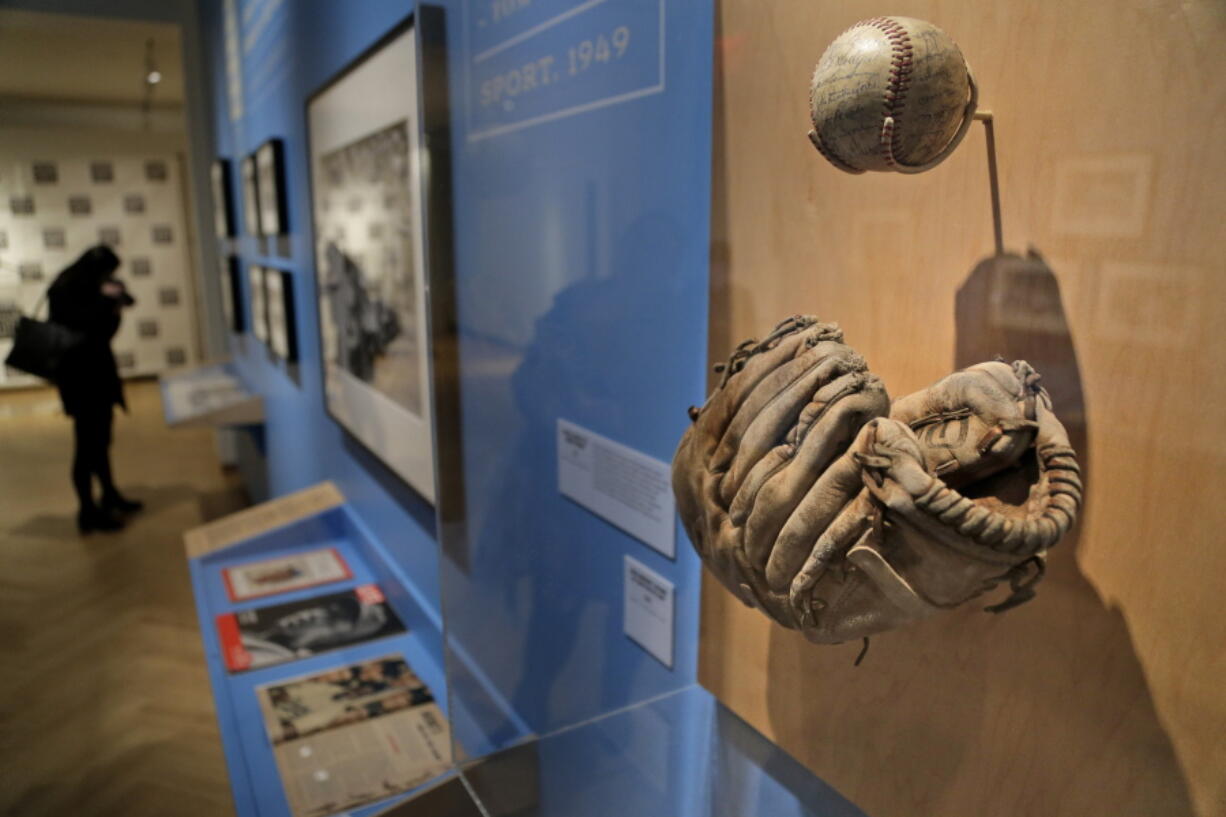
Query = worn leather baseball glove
x=813 y=498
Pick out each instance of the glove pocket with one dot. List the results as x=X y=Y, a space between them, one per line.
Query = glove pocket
x=863 y=595
x=890 y=581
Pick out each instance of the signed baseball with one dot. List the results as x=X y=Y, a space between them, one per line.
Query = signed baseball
x=890 y=93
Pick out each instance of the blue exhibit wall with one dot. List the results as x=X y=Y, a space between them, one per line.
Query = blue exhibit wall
x=581 y=287
x=289 y=50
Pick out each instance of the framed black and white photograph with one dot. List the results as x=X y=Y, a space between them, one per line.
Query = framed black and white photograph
x=367 y=188
x=223 y=198
x=259 y=307
x=251 y=197
x=282 y=328
x=231 y=286
x=270 y=167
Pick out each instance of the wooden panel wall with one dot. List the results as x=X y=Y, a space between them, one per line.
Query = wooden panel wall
x=1106 y=695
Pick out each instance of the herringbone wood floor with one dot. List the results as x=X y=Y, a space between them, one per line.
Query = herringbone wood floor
x=104 y=704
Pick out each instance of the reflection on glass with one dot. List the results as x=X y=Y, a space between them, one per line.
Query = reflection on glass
x=535 y=623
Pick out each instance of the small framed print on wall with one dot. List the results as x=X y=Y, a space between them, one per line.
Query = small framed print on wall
x=251 y=197
x=282 y=328
x=259 y=304
x=231 y=286
x=223 y=198
x=370 y=130
x=270 y=167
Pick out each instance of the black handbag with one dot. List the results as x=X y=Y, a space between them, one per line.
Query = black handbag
x=39 y=347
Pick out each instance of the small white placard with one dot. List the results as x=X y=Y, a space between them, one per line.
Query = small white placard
x=618 y=484
x=649 y=610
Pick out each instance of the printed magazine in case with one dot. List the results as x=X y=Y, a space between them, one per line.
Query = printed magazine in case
x=271 y=635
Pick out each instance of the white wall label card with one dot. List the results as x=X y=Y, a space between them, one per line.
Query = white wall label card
x=649 y=610
x=618 y=484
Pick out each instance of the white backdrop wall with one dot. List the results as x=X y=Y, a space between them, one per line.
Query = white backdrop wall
x=64 y=190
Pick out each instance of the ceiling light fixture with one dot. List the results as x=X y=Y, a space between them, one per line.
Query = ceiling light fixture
x=152 y=77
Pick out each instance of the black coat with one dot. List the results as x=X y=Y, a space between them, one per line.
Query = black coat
x=89 y=378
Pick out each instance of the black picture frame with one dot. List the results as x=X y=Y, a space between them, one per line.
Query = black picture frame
x=433 y=120
x=251 y=195
x=282 y=320
x=222 y=187
x=258 y=301
x=230 y=276
x=270 y=188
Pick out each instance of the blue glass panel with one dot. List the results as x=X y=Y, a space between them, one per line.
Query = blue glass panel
x=679 y=755
x=751 y=775
x=582 y=295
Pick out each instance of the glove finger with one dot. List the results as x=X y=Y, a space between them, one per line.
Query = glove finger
x=799 y=439
x=768 y=416
x=820 y=435
x=1051 y=430
x=810 y=485
x=825 y=501
x=973 y=422
x=721 y=557
x=992 y=388
x=726 y=401
x=808 y=353
x=688 y=475
x=841 y=534
x=806 y=436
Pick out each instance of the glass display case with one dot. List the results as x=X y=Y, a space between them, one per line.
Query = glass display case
x=580 y=284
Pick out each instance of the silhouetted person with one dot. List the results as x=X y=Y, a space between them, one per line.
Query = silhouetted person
x=88 y=298
x=365 y=325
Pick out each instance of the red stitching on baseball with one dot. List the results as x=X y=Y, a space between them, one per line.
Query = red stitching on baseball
x=900 y=79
